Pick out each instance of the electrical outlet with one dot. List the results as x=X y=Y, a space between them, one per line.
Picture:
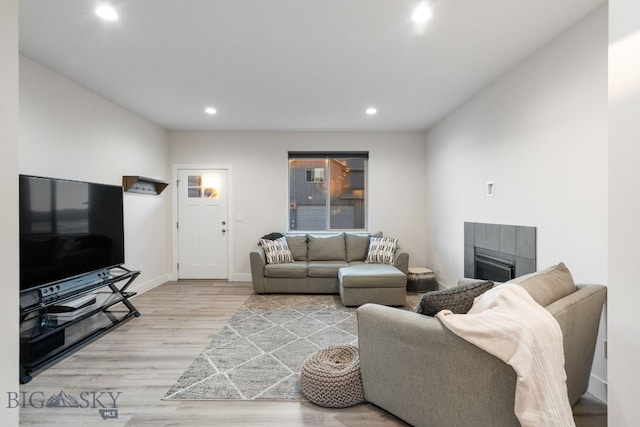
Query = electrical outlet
x=438 y=268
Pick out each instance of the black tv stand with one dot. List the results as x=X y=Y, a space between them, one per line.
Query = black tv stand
x=48 y=334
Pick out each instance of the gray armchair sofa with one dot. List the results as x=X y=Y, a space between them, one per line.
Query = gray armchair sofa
x=415 y=368
x=318 y=259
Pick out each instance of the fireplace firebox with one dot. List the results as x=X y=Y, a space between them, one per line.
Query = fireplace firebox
x=493 y=268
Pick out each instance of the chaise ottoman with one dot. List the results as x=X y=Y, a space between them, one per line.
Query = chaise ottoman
x=375 y=283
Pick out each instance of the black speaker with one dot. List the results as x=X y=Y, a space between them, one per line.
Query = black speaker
x=33 y=350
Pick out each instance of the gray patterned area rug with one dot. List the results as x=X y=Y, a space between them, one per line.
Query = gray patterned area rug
x=260 y=352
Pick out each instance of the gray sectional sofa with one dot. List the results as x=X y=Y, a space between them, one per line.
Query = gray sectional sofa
x=321 y=262
x=415 y=368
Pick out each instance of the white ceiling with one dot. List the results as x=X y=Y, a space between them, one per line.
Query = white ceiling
x=304 y=65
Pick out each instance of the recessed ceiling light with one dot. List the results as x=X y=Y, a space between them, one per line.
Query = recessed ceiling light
x=107 y=12
x=210 y=110
x=421 y=13
x=371 y=111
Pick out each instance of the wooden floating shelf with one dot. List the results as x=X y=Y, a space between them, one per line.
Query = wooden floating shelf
x=143 y=185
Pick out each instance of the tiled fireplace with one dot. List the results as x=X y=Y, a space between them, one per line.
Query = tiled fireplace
x=497 y=251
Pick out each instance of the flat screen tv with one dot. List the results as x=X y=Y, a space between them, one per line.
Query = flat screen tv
x=68 y=229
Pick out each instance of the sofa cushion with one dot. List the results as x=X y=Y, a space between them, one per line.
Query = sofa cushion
x=459 y=300
x=358 y=245
x=372 y=276
x=548 y=285
x=329 y=247
x=325 y=268
x=289 y=269
x=381 y=250
x=276 y=251
x=298 y=246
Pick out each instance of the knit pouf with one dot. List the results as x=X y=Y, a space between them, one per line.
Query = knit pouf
x=331 y=377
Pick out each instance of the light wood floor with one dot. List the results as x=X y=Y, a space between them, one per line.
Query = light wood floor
x=144 y=357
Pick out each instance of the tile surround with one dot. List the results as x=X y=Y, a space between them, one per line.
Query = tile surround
x=513 y=242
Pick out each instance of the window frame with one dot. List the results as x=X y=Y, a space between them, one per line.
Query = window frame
x=329 y=158
x=311 y=177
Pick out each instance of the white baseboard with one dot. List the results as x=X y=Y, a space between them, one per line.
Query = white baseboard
x=141 y=288
x=598 y=388
x=442 y=286
x=237 y=277
x=240 y=277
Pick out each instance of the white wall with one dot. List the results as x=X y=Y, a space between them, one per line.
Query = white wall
x=9 y=135
x=259 y=169
x=624 y=211
x=539 y=132
x=69 y=132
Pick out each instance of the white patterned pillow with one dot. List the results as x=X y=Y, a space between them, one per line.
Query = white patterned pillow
x=381 y=250
x=276 y=251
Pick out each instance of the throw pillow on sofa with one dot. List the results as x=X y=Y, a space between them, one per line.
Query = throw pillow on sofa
x=459 y=300
x=548 y=285
x=358 y=245
x=381 y=250
x=277 y=251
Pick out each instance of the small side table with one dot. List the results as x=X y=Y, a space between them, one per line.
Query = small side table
x=421 y=280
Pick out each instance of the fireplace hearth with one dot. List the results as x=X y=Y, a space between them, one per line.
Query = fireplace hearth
x=498 y=252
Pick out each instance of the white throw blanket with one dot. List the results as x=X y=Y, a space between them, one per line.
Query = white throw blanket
x=507 y=323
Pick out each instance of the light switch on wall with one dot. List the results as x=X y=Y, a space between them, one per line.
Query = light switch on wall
x=490 y=189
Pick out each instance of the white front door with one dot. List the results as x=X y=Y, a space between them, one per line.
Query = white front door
x=202 y=224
